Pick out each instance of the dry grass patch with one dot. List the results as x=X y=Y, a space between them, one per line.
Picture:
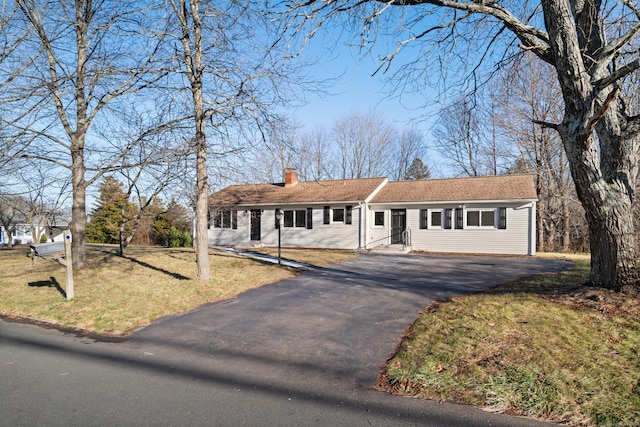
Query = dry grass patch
x=534 y=347
x=116 y=295
x=318 y=257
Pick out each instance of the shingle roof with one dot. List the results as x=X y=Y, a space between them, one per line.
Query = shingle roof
x=501 y=187
x=348 y=190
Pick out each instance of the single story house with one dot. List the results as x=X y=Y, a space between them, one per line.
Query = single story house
x=484 y=215
x=21 y=234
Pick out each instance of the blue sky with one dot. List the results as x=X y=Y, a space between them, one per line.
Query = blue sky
x=356 y=89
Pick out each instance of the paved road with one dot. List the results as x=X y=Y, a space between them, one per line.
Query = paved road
x=304 y=351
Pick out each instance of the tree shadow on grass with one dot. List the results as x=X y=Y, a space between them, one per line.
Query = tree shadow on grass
x=51 y=283
x=161 y=270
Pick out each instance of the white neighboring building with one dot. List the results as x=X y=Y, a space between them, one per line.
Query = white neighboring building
x=484 y=215
x=22 y=234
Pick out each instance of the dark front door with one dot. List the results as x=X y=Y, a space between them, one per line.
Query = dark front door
x=398 y=224
x=255 y=224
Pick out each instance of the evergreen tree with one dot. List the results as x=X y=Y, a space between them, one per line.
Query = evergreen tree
x=172 y=227
x=106 y=216
x=417 y=171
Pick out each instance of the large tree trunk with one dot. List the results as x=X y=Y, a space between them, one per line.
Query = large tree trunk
x=78 y=224
x=605 y=186
x=202 y=185
x=604 y=169
x=201 y=238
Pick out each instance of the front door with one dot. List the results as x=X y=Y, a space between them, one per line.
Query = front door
x=398 y=224
x=255 y=224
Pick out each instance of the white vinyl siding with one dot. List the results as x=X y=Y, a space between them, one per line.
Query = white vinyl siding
x=482 y=239
x=336 y=235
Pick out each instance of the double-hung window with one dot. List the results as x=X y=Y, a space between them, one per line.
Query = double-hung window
x=299 y=218
x=227 y=218
x=378 y=218
x=486 y=218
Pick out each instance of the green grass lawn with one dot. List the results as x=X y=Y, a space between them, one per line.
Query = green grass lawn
x=116 y=295
x=538 y=347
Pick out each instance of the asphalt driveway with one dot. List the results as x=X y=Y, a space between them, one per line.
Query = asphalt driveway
x=340 y=322
x=301 y=352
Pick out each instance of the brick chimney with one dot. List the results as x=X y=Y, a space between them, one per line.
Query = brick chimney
x=290 y=177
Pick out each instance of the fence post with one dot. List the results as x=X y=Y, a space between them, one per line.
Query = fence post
x=67 y=258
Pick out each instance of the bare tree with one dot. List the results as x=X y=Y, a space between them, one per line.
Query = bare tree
x=79 y=60
x=44 y=189
x=229 y=56
x=315 y=159
x=410 y=146
x=156 y=168
x=458 y=138
x=11 y=216
x=364 y=143
x=593 y=47
x=526 y=93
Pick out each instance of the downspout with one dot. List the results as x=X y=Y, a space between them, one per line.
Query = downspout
x=532 y=221
x=363 y=225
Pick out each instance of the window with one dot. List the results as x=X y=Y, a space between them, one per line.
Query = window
x=378 y=219
x=348 y=215
x=327 y=215
x=301 y=218
x=288 y=218
x=473 y=219
x=225 y=219
x=436 y=218
x=424 y=219
x=338 y=215
x=502 y=218
x=459 y=218
x=487 y=218
x=481 y=218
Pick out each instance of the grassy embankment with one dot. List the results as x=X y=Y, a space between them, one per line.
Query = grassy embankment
x=542 y=347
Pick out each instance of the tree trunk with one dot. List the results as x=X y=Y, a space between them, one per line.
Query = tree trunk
x=201 y=238
x=606 y=191
x=566 y=219
x=78 y=224
x=202 y=185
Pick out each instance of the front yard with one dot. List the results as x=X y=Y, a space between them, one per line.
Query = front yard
x=543 y=347
x=116 y=295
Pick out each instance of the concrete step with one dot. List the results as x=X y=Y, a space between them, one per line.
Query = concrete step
x=391 y=249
